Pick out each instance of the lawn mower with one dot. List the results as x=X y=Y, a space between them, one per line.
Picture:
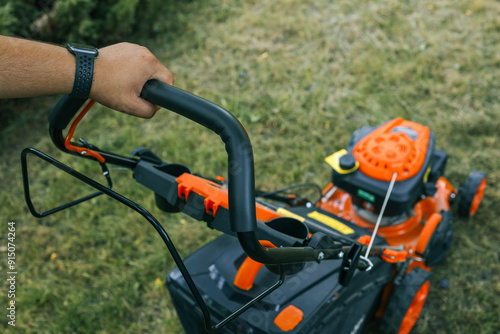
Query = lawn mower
x=363 y=250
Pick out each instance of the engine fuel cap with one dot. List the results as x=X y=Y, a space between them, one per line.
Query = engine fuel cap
x=347 y=162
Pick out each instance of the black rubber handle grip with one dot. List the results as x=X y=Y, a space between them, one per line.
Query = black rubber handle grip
x=64 y=111
x=241 y=180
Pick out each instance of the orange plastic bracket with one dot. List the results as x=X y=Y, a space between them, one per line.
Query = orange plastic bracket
x=364 y=239
x=184 y=190
x=394 y=256
x=77 y=149
x=289 y=318
x=249 y=269
x=215 y=195
x=211 y=205
x=388 y=255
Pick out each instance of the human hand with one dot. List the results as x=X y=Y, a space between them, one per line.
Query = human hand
x=120 y=72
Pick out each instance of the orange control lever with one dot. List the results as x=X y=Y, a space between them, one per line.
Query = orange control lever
x=81 y=150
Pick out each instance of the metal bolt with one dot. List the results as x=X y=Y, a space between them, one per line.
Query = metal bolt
x=321 y=256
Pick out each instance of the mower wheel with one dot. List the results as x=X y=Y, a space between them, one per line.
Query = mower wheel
x=406 y=302
x=471 y=194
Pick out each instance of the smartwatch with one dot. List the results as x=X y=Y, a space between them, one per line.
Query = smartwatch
x=85 y=56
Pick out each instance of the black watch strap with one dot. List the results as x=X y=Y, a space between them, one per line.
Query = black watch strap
x=84 y=73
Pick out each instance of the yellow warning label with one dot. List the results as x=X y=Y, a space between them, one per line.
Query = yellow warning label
x=286 y=213
x=329 y=221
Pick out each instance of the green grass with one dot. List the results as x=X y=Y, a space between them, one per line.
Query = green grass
x=301 y=76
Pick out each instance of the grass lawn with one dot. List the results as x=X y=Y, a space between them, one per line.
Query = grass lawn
x=301 y=76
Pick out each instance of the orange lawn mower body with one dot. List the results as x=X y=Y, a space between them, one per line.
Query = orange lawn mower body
x=416 y=229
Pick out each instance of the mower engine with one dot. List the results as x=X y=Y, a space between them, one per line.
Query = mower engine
x=374 y=155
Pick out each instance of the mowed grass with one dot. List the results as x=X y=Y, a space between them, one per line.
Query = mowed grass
x=301 y=76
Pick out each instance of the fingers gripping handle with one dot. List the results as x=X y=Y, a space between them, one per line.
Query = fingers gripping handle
x=239 y=149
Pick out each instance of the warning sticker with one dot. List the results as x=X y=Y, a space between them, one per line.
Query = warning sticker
x=286 y=213
x=329 y=221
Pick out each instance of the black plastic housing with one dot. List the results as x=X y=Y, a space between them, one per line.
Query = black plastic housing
x=328 y=306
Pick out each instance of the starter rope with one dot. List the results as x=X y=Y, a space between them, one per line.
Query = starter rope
x=379 y=219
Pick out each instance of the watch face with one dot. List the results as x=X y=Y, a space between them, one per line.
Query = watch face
x=82 y=48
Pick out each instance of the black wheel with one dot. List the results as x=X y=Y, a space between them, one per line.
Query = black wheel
x=471 y=194
x=406 y=302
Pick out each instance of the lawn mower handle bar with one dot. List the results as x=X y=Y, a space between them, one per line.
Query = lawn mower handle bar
x=233 y=134
x=241 y=179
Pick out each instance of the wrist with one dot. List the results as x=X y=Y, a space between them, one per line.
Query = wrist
x=84 y=69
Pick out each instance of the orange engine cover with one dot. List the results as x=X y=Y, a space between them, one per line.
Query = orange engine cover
x=397 y=146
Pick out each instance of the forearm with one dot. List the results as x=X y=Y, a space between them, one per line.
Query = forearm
x=29 y=68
